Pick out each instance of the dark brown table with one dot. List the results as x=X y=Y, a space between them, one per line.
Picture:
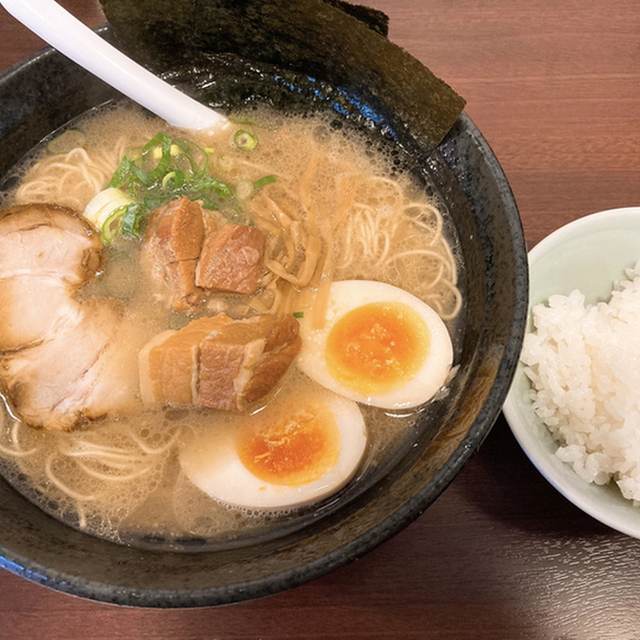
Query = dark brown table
x=555 y=88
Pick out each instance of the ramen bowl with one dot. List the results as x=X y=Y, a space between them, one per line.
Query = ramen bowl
x=45 y=92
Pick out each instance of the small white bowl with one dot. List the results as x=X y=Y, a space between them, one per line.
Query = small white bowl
x=589 y=254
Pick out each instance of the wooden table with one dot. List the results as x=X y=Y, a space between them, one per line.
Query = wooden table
x=555 y=88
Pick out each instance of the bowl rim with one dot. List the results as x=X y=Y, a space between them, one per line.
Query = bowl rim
x=588 y=497
x=570 y=228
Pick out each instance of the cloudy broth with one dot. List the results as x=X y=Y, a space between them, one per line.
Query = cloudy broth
x=120 y=477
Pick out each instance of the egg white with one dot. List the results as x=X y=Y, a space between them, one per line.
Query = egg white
x=347 y=295
x=211 y=462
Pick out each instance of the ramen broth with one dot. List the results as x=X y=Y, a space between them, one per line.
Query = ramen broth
x=120 y=477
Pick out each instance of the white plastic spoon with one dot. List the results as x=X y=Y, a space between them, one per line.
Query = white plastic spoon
x=64 y=32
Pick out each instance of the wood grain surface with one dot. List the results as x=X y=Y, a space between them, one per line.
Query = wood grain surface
x=555 y=89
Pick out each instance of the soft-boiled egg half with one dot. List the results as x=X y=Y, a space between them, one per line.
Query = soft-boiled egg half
x=380 y=345
x=302 y=447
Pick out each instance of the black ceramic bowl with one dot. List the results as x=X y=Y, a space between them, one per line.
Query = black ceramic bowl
x=45 y=92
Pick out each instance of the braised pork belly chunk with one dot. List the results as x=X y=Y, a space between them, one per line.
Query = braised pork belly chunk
x=169 y=363
x=64 y=359
x=171 y=248
x=231 y=259
x=218 y=362
x=188 y=258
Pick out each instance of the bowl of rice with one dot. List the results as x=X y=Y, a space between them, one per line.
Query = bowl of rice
x=574 y=404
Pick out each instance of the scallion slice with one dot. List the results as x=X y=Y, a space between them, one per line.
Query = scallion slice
x=263 y=182
x=111 y=226
x=245 y=140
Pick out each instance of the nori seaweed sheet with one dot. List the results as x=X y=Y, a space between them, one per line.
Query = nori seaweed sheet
x=373 y=18
x=328 y=41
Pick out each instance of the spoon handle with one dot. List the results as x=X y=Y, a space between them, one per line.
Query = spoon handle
x=64 y=32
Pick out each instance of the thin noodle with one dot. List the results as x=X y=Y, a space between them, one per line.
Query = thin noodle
x=158 y=450
x=346 y=198
x=458 y=302
x=17 y=453
x=305 y=192
x=60 y=485
x=14 y=437
x=110 y=477
x=94 y=449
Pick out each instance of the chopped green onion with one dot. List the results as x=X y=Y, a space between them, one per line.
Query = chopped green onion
x=298 y=314
x=121 y=174
x=139 y=176
x=133 y=220
x=163 y=162
x=161 y=139
x=104 y=204
x=225 y=163
x=111 y=226
x=222 y=189
x=166 y=169
x=262 y=182
x=168 y=178
x=245 y=140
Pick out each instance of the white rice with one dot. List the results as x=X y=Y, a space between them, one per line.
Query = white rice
x=584 y=365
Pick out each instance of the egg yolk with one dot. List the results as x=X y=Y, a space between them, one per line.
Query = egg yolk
x=293 y=447
x=377 y=347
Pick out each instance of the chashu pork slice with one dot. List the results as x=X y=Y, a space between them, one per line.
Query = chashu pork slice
x=47 y=252
x=32 y=308
x=111 y=384
x=48 y=240
x=63 y=360
x=218 y=362
x=51 y=384
x=170 y=250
